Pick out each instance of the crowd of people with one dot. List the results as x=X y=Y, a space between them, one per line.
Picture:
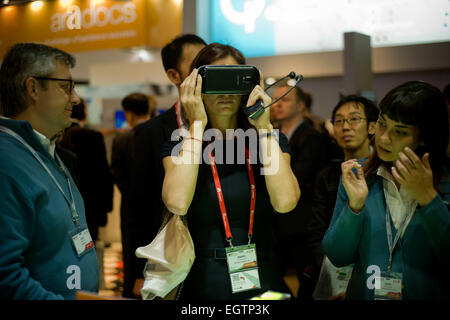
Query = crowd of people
x=367 y=189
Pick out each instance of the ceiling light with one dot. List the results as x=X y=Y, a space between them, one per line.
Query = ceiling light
x=36 y=5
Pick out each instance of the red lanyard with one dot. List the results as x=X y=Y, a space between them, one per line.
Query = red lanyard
x=222 y=202
x=177 y=111
x=219 y=188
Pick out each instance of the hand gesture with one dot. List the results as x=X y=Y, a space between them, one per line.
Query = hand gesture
x=415 y=175
x=263 y=121
x=191 y=98
x=355 y=185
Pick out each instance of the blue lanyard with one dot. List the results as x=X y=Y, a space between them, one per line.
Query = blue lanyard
x=400 y=230
x=71 y=202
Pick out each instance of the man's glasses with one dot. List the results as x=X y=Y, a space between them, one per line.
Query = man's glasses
x=351 y=121
x=68 y=88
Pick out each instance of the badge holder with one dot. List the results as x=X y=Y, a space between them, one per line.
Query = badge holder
x=388 y=286
x=241 y=260
x=81 y=239
x=243 y=268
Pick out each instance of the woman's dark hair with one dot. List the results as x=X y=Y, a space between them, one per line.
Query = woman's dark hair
x=422 y=105
x=214 y=52
x=217 y=51
x=446 y=93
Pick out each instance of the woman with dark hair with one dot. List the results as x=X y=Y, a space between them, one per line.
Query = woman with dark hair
x=391 y=218
x=219 y=198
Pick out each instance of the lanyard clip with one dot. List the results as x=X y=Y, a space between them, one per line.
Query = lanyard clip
x=77 y=223
x=249 y=239
x=75 y=216
x=229 y=241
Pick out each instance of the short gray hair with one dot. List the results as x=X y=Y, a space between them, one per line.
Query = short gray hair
x=25 y=60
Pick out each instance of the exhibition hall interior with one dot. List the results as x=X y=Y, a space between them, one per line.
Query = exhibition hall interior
x=339 y=47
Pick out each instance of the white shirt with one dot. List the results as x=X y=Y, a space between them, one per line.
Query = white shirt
x=399 y=202
x=48 y=144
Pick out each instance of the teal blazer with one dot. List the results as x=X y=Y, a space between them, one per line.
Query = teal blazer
x=422 y=255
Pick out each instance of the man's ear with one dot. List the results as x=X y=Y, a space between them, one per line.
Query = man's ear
x=31 y=88
x=301 y=107
x=174 y=76
x=129 y=117
x=372 y=125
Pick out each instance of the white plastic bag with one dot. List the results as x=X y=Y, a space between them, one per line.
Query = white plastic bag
x=333 y=281
x=169 y=259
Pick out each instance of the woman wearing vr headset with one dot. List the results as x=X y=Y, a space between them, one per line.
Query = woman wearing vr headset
x=229 y=203
x=391 y=218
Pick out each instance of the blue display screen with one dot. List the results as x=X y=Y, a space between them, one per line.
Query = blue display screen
x=119 y=118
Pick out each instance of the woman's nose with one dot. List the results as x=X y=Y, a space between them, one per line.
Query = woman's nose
x=385 y=137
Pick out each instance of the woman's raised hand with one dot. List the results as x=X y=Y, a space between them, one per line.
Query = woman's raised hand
x=263 y=121
x=191 y=98
x=415 y=175
x=355 y=185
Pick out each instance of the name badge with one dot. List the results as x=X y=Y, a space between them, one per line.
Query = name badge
x=243 y=268
x=82 y=241
x=388 y=286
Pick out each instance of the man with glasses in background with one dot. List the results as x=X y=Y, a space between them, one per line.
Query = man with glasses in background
x=46 y=251
x=353 y=119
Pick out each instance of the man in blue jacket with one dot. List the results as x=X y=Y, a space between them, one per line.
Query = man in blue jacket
x=46 y=251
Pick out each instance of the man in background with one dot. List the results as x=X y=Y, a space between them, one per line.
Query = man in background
x=96 y=183
x=147 y=170
x=354 y=119
x=136 y=107
x=317 y=122
x=310 y=152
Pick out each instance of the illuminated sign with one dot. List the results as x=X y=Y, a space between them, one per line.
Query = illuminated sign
x=78 y=25
x=271 y=27
x=251 y=11
x=73 y=18
x=98 y=16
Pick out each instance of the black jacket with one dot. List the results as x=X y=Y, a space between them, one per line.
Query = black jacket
x=121 y=160
x=71 y=161
x=95 y=183
x=147 y=176
x=310 y=152
x=324 y=199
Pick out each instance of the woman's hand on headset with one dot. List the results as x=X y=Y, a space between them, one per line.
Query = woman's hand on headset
x=191 y=98
x=263 y=121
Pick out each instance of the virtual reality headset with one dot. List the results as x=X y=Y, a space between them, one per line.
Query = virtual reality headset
x=229 y=79
x=238 y=79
